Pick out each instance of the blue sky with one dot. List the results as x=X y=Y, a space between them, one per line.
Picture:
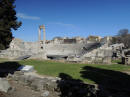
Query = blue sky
x=71 y=17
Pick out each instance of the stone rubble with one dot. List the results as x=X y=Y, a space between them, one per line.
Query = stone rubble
x=54 y=87
x=4 y=85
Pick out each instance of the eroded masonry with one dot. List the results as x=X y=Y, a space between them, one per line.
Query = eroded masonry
x=93 y=49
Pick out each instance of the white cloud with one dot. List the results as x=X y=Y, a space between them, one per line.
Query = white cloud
x=63 y=24
x=24 y=16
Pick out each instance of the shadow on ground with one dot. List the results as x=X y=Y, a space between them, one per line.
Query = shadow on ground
x=70 y=87
x=8 y=67
x=110 y=83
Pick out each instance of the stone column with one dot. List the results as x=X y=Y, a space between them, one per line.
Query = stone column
x=44 y=42
x=39 y=34
x=44 y=37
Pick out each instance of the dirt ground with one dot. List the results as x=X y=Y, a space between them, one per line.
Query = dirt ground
x=20 y=91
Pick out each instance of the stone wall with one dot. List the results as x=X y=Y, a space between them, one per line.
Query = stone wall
x=20 y=48
x=63 y=49
x=91 y=51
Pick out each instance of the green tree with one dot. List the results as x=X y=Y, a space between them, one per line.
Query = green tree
x=8 y=22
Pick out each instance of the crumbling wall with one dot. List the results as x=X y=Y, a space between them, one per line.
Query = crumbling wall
x=20 y=48
x=102 y=54
x=93 y=53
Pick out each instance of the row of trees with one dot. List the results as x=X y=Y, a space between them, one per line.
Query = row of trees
x=8 y=21
x=122 y=37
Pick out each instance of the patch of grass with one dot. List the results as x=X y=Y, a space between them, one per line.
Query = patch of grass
x=116 y=61
x=52 y=68
x=3 y=60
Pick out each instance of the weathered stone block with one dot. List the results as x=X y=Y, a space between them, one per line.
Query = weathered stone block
x=4 y=85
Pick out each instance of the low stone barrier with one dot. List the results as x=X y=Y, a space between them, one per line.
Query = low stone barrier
x=55 y=87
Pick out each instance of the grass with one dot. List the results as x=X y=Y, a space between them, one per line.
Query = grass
x=53 y=68
x=3 y=60
x=116 y=61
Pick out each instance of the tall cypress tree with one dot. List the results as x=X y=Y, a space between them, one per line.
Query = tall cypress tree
x=8 y=21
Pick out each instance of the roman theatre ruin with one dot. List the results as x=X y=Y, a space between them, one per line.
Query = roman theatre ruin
x=91 y=49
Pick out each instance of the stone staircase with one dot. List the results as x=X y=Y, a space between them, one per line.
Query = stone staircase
x=88 y=49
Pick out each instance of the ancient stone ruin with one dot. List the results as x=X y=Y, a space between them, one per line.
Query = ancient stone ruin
x=126 y=57
x=92 y=49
